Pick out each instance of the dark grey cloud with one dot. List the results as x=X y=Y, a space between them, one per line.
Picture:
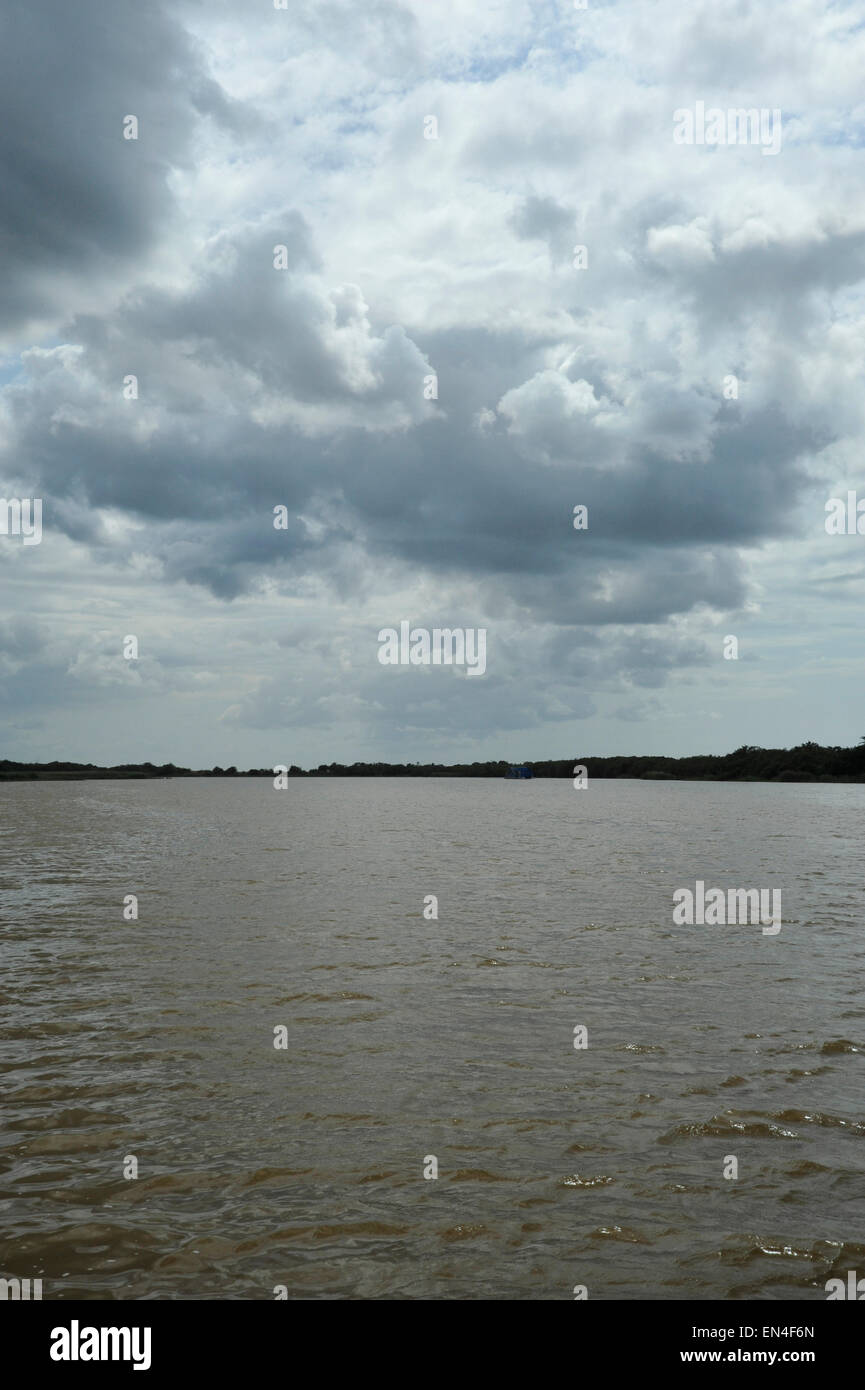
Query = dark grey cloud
x=78 y=198
x=485 y=504
x=542 y=219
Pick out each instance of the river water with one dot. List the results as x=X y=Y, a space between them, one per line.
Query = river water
x=410 y=1038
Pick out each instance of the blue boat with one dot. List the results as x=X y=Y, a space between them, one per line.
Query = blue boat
x=518 y=773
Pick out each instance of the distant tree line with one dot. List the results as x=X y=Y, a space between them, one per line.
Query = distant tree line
x=808 y=762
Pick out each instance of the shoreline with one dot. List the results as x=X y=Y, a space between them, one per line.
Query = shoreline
x=109 y=775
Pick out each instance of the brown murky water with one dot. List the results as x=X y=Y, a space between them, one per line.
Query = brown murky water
x=408 y=1037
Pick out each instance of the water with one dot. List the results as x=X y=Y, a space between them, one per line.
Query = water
x=409 y=1037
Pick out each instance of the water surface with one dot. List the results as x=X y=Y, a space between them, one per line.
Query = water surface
x=408 y=1037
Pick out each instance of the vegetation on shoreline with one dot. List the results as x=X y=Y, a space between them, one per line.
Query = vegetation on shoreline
x=808 y=762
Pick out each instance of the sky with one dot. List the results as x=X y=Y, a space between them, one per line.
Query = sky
x=429 y=377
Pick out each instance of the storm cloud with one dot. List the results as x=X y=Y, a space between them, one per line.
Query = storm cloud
x=376 y=298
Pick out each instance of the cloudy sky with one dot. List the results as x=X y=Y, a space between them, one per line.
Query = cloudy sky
x=308 y=387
